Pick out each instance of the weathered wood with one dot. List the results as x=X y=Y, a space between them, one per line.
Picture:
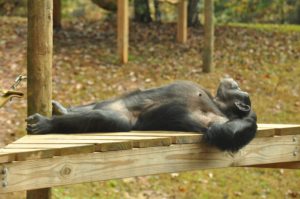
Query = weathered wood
x=176 y=137
x=282 y=165
x=39 y=56
x=282 y=129
x=6 y=157
x=65 y=170
x=138 y=141
x=265 y=132
x=208 y=65
x=59 y=149
x=136 y=136
x=39 y=65
x=182 y=21
x=123 y=30
x=27 y=154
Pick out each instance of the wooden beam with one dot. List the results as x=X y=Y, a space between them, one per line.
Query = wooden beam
x=208 y=65
x=182 y=21
x=39 y=56
x=281 y=165
x=123 y=30
x=39 y=65
x=64 y=170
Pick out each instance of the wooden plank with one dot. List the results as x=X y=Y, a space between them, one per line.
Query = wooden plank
x=265 y=132
x=208 y=49
x=5 y=157
x=182 y=21
x=283 y=129
x=58 y=149
x=138 y=141
x=144 y=161
x=100 y=145
x=123 y=30
x=282 y=165
x=277 y=125
x=176 y=137
x=27 y=154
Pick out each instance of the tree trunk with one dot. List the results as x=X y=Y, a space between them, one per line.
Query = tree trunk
x=157 y=11
x=57 y=14
x=39 y=64
x=142 y=11
x=208 y=50
x=193 y=13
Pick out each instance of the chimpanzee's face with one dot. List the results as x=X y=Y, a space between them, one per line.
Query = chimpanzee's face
x=230 y=94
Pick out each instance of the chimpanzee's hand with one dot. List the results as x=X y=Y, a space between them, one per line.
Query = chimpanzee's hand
x=38 y=124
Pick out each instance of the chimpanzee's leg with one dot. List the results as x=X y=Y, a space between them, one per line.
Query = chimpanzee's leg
x=90 y=121
x=58 y=109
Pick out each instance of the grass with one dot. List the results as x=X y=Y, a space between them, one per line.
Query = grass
x=269 y=27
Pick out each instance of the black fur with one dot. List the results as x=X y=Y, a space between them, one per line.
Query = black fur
x=226 y=120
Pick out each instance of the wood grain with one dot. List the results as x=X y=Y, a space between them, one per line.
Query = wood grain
x=65 y=170
x=182 y=21
x=123 y=30
x=208 y=49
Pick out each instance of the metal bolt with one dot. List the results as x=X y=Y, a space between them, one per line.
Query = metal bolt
x=294 y=139
x=4 y=184
x=295 y=153
x=4 y=171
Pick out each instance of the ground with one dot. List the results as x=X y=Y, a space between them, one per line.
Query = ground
x=264 y=59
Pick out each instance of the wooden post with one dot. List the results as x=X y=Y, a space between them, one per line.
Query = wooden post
x=57 y=14
x=123 y=28
x=39 y=63
x=208 y=65
x=182 y=21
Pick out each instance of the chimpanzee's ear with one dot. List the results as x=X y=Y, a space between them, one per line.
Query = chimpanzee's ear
x=242 y=106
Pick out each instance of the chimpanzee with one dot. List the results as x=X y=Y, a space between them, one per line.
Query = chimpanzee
x=226 y=120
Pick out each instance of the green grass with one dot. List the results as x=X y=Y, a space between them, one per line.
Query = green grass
x=269 y=27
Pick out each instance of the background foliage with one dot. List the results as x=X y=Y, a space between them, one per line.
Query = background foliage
x=255 y=11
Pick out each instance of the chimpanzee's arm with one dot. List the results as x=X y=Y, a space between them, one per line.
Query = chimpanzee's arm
x=232 y=135
x=91 y=121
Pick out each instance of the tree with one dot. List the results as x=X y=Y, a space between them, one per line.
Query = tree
x=142 y=11
x=193 y=13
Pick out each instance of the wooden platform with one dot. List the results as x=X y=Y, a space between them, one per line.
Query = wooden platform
x=38 y=161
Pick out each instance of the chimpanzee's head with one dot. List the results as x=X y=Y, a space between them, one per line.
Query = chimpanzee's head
x=232 y=100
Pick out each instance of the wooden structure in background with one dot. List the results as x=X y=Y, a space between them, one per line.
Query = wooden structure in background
x=182 y=21
x=54 y=160
x=208 y=49
x=123 y=28
x=39 y=66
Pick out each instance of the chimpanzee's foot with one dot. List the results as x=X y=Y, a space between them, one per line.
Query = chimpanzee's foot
x=38 y=124
x=58 y=109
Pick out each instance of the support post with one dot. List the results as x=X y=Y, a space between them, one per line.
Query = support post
x=57 y=14
x=39 y=63
x=208 y=65
x=123 y=29
x=182 y=21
